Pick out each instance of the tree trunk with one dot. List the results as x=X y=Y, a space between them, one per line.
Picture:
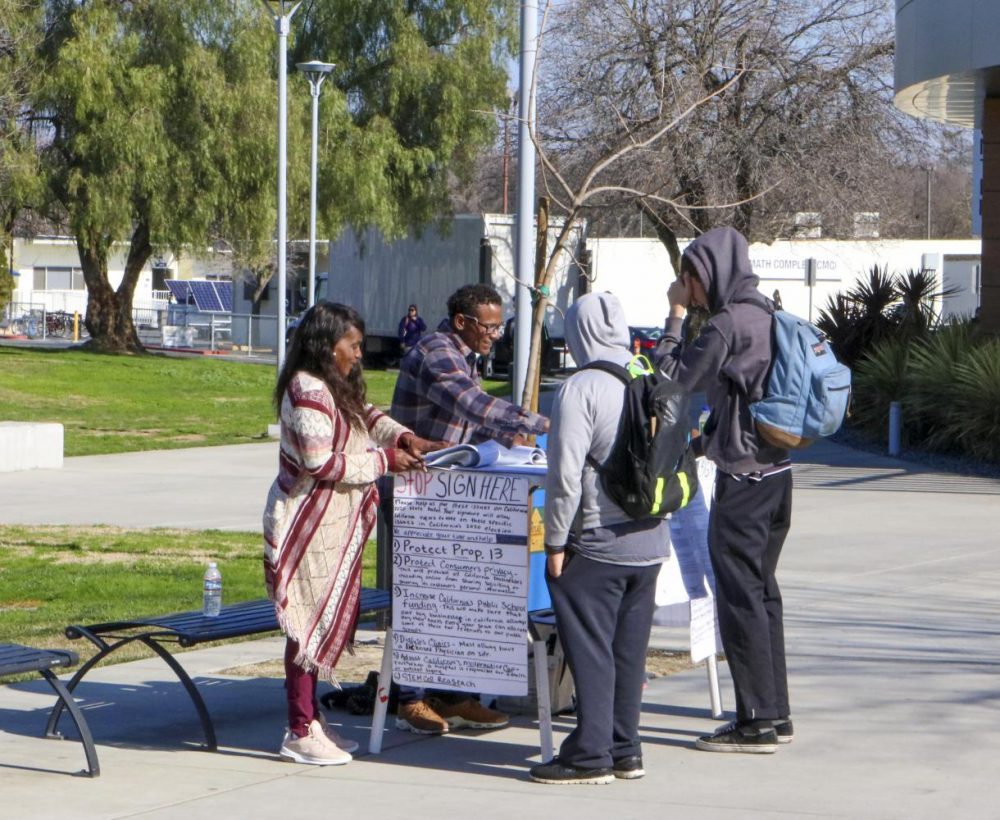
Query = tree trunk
x=539 y=314
x=109 y=311
x=541 y=302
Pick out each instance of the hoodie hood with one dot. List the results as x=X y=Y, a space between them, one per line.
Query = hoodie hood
x=721 y=258
x=596 y=329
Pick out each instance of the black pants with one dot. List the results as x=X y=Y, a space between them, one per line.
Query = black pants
x=604 y=613
x=747 y=528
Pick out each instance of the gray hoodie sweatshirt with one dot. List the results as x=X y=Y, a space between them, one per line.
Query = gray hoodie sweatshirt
x=731 y=358
x=584 y=420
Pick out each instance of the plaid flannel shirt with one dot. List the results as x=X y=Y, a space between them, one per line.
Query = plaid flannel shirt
x=438 y=396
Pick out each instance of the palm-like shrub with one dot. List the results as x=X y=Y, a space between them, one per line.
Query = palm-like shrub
x=858 y=320
x=915 y=314
x=948 y=385
x=880 y=378
x=974 y=418
x=932 y=372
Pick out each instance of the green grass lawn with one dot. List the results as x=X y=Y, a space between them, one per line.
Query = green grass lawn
x=116 y=404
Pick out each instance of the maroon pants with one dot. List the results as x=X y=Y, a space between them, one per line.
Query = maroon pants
x=300 y=686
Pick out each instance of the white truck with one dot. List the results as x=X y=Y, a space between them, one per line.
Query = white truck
x=381 y=278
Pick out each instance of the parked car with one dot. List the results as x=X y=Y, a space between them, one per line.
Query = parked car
x=644 y=339
x=502 y=355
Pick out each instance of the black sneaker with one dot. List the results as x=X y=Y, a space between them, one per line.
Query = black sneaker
x=735 y=738
x=783 y=729
x=557 y=773
x=628 y=768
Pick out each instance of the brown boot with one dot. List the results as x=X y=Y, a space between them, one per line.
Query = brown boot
x=469 y=714
x=420 y=717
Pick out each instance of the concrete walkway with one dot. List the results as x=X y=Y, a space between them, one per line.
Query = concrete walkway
x=889 y=578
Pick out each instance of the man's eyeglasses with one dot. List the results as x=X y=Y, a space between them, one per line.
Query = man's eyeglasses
x=489 y=330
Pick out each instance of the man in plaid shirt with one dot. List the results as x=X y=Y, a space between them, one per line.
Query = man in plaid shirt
x=438 y=396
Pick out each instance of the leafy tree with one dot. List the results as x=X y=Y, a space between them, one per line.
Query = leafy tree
x=20 y=25
x=155 y=129
x=156 y=123
x=415 y=87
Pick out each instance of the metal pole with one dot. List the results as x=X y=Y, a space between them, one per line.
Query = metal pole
x=714 y=692
x=315 y=72
x=282 y=25
x=525 y=267
x=811 y=282
x=928 y=202
x=895 y=427
x=311 y=281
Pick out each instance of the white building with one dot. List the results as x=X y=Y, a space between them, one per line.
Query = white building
x=638 y=271
x=48 y=275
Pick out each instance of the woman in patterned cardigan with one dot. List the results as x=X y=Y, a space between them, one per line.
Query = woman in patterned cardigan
x=320 y=511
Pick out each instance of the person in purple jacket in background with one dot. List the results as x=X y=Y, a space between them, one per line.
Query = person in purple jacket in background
x=411 y=328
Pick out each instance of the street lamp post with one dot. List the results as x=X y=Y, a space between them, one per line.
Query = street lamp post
x=281 y=12
x=525 y=245
x=315 y=72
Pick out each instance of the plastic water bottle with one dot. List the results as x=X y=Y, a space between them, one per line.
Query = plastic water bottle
x=703 y=419
x=212 y=601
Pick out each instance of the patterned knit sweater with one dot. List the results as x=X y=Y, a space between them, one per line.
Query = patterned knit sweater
x=320 y=511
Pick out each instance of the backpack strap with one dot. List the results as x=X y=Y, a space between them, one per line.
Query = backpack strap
x=763 y=303
x=771 y=309
x=619 y=372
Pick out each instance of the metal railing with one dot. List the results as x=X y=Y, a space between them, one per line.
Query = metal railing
x=34 y=320
x=160 y=325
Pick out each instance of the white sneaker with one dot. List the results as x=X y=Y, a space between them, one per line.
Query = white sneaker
x=338 y=739
x=315 y=748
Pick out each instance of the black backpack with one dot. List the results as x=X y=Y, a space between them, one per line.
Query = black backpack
x=651 y=470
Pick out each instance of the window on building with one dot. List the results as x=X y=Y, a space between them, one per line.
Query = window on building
x=46 y=278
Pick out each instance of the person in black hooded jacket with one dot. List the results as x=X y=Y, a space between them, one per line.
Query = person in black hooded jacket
x=752 y=503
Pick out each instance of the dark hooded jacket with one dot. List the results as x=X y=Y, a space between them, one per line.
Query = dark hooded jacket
x=731 y=358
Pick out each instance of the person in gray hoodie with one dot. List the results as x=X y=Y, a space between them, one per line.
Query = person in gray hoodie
x=601 y=565
x=752 y=504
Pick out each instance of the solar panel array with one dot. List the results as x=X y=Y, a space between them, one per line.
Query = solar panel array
x=205 y=297
x=225 y=292
x=179 y=290
x=208 y=296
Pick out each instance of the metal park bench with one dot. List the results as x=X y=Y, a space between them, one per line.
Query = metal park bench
x=188 y=629
x=18 y=660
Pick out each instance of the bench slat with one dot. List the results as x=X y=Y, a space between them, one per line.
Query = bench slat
x=16 y=659
x=234 y=620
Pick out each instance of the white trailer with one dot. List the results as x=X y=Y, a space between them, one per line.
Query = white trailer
x=382 y=278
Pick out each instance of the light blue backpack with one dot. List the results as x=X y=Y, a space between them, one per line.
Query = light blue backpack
x=808 y=390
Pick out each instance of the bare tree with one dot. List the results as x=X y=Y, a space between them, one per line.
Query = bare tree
x=705 y=112
x=797 y=112
x=582 y=174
